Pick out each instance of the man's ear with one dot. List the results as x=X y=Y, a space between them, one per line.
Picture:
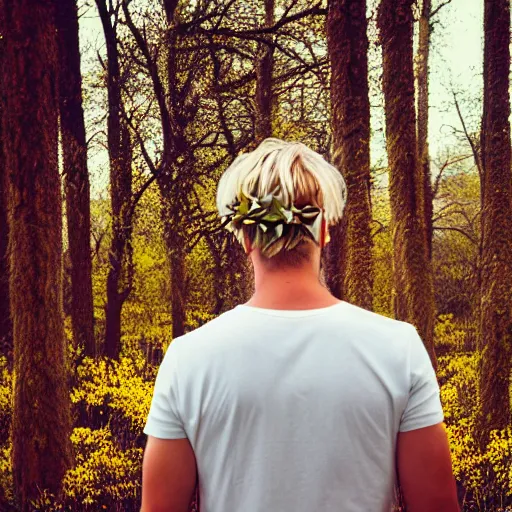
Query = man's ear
x=325 y=238
x=247 y=244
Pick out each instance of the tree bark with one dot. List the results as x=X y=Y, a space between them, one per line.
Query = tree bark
x=264 y=72
x=76 y=177
x=423 y=56
x=412 y=273
x=120 y=276
x=496 y=223
x=171 y=191
x=6 y=342
x=176 y=249
x=351 y=252
x=41 y=417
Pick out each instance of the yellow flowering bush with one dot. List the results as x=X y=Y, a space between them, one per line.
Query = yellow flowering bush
x=448 y=335
x=103 y=473
x=485 y=476
x=6 y=482
x=6 y=406
x=6 y=384
x=103 y=478
x=499 y=457
x=106 y=387
x=459 y=385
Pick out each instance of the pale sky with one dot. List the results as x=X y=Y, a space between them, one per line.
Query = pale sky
x=456 y=61
x=457 y=58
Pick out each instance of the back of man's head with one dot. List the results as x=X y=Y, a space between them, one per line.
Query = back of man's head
x=278 y=198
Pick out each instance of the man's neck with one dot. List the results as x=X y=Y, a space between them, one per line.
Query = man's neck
x=290 y=289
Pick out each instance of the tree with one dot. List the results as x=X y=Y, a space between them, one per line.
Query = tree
x=76 y=177
x=422 y=121
x=264 y=72
x=172 y=174
x=351 y=250
x=427 y=15
x=413 y=288
x=496 y=223
x=119 y=281
x=41 y=417
x=6 y=347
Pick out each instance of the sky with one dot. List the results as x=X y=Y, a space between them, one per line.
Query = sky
x=456 y=64
x=457 y=59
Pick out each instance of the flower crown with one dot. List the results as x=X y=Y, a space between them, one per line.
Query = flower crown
x=273 y=221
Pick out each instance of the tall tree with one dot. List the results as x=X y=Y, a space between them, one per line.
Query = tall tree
x=423 y=57
x=264 y=73
x=412 y=274
x=6 y=343
x=76 y=177
x=119 y=280
x=175 y=172
x=41 y=417
x=496 y=223
x=351 y=250
x=174 y=200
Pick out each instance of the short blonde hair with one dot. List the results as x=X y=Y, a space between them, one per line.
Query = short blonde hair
x=291 y=172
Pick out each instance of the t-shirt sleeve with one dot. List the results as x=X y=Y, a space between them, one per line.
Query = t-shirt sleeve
x=164 y=420
x=423 y=407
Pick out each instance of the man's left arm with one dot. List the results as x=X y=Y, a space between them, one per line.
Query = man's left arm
x=169 y=466
x=168 y=475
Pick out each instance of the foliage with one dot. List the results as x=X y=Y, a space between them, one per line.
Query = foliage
x=382 y=255
x=448 y=336
x=114 y=389
x=455 y=243
x=483 y=476
x=103 y=474
x=273 y=222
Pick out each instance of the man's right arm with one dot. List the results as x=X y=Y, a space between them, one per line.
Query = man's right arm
x=425 y=470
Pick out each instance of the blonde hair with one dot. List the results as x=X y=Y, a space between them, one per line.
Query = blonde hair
x=291 y=172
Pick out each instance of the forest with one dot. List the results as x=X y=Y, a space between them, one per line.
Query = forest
x=117 y=119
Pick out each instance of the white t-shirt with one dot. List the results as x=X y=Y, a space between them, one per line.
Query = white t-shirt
x=295 y=411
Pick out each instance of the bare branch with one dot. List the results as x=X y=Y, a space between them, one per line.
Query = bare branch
x=439 y=7
x=476 y=156
x=458 y=230
x=316 y=10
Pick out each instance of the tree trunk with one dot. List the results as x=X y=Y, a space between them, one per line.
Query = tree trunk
x=6 y=342
x=351 y=252
x=119 y=279
x=179 y=292
x=170 y=171
x=171 y=191
x=413 y=287
x=423 y=105
x=41 y=417
x=264 y=72
x=173 y=139
x=496 y=221
x=76 y=177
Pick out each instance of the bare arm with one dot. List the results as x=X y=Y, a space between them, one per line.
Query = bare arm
x=168 y=475
x=425 y=470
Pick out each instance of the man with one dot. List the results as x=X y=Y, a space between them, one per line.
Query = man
x=295 y=401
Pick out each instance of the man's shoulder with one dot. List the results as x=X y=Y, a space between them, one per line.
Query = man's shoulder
x=352 y=310
x=370 y=322
x=221 y=324
x=220 y=332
